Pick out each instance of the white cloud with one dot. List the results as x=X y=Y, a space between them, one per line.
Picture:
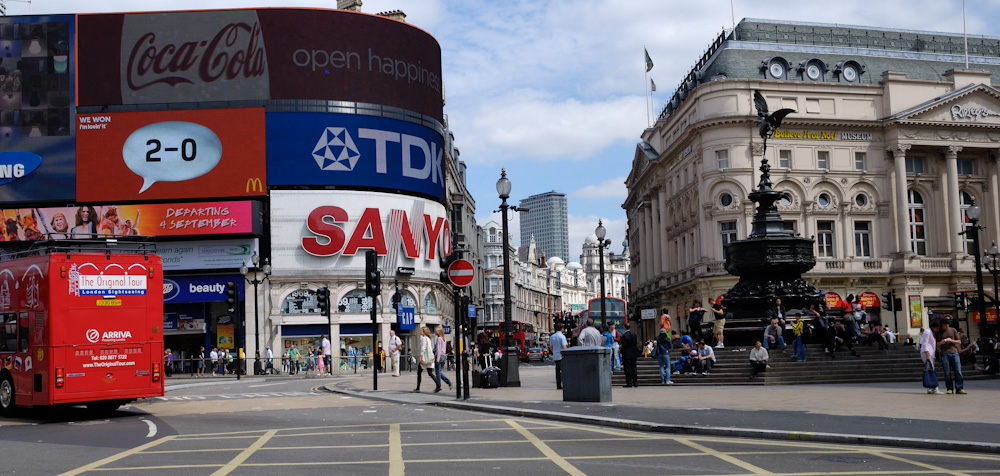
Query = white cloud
x=582 y=226
x=610 y=188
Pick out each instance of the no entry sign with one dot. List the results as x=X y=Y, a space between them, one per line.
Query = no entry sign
x=461 y=272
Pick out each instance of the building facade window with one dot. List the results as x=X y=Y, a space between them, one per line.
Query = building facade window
x=862 y=239
x=966 y=167
x=356 y=302
x=915 y=165
x=789 y=227
x=726 y=199
x=918 y=234
x=722 y=159
x=860 y=161
x=823 y=200
x=493 y=235
x=728 y=231
x=824 y=239
x=430 y=304
x=785 y=159
x=965 y=202
x=823 y=160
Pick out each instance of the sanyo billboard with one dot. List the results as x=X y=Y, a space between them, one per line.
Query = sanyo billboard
x=329 y=232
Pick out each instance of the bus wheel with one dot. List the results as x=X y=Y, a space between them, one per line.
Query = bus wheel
x=104 y=407
x=6 y=396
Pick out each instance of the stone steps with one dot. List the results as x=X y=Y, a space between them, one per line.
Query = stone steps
x=899 y=364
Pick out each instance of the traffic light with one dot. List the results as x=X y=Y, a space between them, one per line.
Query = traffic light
x=231 y=292
x=898 y=304
x=373 y=278
x=323 y=301
x=887 y=300
x=960 y=301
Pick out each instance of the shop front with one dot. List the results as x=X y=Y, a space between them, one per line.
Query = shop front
x=195 y=315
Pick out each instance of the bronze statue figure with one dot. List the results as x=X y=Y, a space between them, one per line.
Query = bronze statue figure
x=768 y=122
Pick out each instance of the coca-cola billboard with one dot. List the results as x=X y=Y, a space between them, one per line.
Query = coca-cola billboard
x=258 y=54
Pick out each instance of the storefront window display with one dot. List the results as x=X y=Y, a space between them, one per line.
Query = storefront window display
x=355 y=302
x=302 y=301
x=355 y=346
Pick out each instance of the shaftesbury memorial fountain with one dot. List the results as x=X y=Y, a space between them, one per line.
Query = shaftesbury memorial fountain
x=770 y=262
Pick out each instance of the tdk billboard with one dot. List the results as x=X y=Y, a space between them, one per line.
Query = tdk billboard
x=354 y=151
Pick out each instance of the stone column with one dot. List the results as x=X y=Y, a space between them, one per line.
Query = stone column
x=654 y=245
x=649 y=256
x=902 y=211
x=643 y=255
x=955 y=220
x=662 y=244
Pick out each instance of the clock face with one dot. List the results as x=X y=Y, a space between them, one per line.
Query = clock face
x=850 y=73
x=813 y=72
x=777 y=70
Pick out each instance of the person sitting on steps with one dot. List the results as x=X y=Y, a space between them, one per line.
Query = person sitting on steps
x=839 y=335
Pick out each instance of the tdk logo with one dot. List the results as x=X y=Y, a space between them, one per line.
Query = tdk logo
x=336 y=151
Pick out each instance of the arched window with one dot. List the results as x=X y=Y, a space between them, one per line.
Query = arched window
x=355 y=302
x=300 y=301
x=917 y=212
x=430 y=304
x=493 y=235
x=966 y=202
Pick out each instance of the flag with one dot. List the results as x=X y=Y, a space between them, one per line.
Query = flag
x=649 y=61
x=652 y=85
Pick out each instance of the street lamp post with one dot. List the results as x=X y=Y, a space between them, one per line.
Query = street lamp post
x=255 y=260
x=973 y=213
x=601 y=232
x=509 y=375
x=991 y=258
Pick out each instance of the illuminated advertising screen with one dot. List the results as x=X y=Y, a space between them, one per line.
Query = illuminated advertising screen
x=170 y=154
x=328 y=232
x=277 y=53
x=354 y=151
x=105 y=221
x=36 y=114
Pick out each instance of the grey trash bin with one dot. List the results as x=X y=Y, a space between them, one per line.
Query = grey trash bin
x=586 y=374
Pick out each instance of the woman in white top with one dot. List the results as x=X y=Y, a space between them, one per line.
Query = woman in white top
x=425 y=358
x=440 y=356
x=928 y=344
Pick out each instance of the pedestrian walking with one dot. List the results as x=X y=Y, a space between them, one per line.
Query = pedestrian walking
x=270 y=361
x=630 y=356
x=202 y=356
x=320 y=367
x=327 y=353
x=928 y=347
x=425 y=357
x=590 y=336
x=720 y=321
x=168 y=362
x=616 y=356
x=214 y=355
x=293 y=360
x=948 y=341
x=663 y=346
x=557 y=343
x=395 y=345
x=440 y=358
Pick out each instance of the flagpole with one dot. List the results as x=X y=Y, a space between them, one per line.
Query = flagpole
x=645 y=85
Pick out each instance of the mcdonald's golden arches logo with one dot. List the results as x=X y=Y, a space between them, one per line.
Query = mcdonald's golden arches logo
x=254 y=185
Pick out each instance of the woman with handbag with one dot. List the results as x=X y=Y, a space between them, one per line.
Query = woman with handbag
x=440 y=358
x=425 y=358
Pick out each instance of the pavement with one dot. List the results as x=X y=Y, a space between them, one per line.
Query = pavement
x=882 y=414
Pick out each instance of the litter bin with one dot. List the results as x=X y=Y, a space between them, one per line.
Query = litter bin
x=586 y=374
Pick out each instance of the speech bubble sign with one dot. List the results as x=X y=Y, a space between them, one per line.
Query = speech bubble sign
x=171 y=151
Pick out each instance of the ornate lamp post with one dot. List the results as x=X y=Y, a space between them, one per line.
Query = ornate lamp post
x=991 y=259
x=255 y=260
x=973 y=212
x=509 y=375
x=601 y=232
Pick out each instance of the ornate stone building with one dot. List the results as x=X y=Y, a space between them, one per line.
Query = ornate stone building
x=892 y=139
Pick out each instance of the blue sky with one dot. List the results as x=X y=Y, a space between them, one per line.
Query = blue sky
x=553 y=90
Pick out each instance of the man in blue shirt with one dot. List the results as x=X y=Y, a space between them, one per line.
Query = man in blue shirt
x=558 y=342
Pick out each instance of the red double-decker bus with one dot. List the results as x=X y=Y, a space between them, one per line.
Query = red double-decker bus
x=80 y=325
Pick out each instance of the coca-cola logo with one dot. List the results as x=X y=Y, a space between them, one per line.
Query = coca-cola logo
x=234 y=52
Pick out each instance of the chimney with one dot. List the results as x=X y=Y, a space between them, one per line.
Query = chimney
x=395 y=15
x=352 y=5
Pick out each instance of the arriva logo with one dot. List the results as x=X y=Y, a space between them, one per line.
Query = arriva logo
x=93 y=335
x=336 y=151
x=116 y=335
